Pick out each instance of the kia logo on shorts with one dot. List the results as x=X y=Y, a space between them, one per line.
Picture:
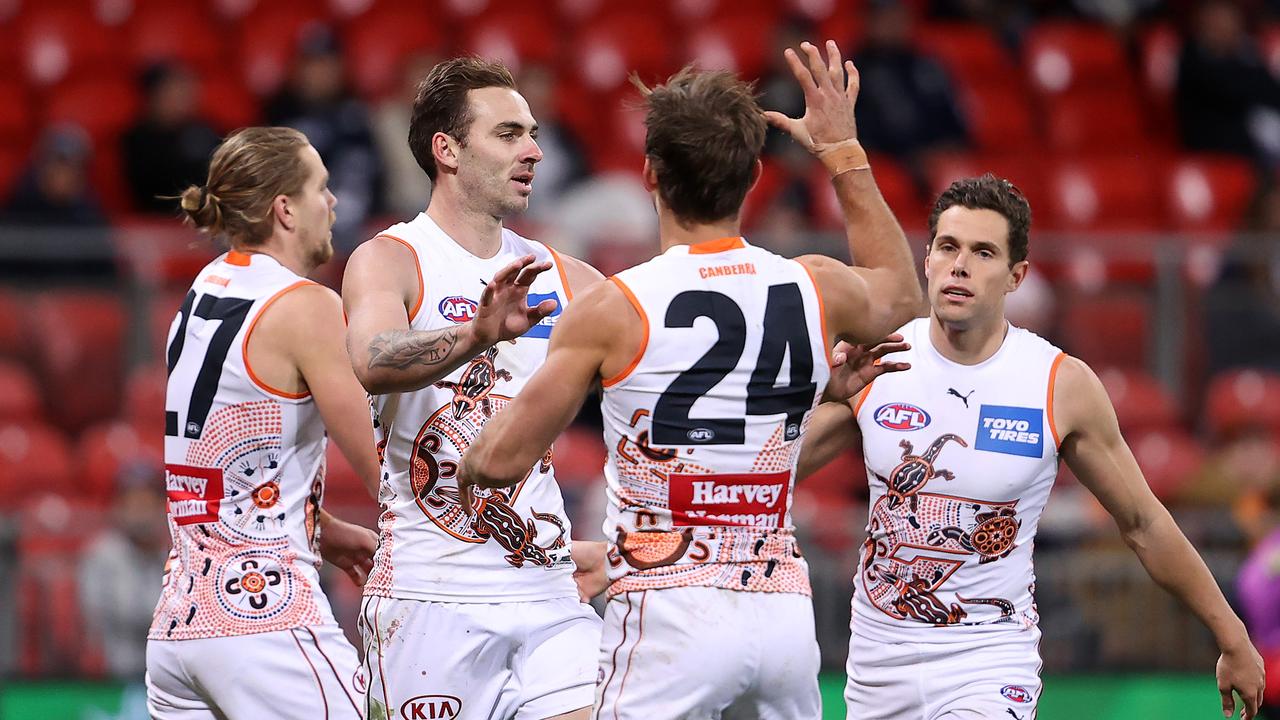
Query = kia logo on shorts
x=1016 y=693
x=458 y=309
x=431 y=707
x=701 y=434
x=902 y=417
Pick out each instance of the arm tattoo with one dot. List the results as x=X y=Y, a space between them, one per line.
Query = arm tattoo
x=401 y=348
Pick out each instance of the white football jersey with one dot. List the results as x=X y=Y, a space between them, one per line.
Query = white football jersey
x=516 y=547
x=244 y=468
x=704 y=428
x=960 y=459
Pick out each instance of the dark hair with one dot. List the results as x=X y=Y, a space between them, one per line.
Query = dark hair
x=989 y=193
x=248 y=170
x=704 y=133
x=441 y=103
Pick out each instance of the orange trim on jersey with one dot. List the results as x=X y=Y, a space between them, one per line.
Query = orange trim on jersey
x=644 y=342
x=235 y=257
x=1048 y=405
x=417 y=266
x=715 y=246
x=564 y=277
x=822 y=312
x=244 y=346
x=866 y=393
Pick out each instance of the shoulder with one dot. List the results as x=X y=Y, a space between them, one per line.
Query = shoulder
x=1080 y=401
x=578 y=275
x=301 y=308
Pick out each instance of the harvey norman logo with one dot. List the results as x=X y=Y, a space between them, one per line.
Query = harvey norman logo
x=1010 y=430
x=748 y=500
x=194 y=493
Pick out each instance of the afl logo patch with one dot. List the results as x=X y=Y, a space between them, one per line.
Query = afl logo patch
x=901 y=417
x=458 y=309
x=1016 y=693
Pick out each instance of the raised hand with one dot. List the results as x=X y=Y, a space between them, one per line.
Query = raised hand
x=854 y=367
x=830 y=91
x=504 y=312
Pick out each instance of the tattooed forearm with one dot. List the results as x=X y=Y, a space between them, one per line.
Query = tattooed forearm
x=400 y=349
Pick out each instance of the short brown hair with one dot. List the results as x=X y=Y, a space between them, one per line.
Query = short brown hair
x=704 y=133
x=989 y=193
x=441 y=103
x=248 y=170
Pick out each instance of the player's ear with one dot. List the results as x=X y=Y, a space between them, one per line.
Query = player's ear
x=282 y=211
x=649 y=175
x=756 y=172
x=444 y=148
x=1017 y=274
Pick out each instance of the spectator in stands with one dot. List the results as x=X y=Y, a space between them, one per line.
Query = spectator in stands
x=907 y=107
x=1258 y=585
x=120 y=572
x=54 y=190
x=317 y=101
x=407 y=187
x=1227 y=101
x=168 y=148
x=563 y=163
x=1242 y=309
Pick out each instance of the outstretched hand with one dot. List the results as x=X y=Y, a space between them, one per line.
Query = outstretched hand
x=830 y=91
x=853 y=367
x=504 y=312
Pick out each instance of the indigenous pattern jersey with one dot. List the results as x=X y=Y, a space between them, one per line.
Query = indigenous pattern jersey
x=516 y=546
x=244 y=469
x=704 y=428
x=960 y=460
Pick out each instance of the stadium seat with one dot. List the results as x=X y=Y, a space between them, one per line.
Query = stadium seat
x=76 y=335
x=896 y=186
x=621 y=146
x=579 y=456
x=1025 y=172
x=19 y=394
x=226 y=102
x=614 y=45
x=13 y=343
x=1108 y=329
x=379 y=41
x=1113 y=193
x=969 y=51
x=1243 y=399
x=266 y=40
x=999 y=116
x=695 y=13
x=16 y=121
x=1141 y=402
x=1209 y=193
x=1169 y=458
x=57 y=41
x=740 y=42
x=1160 y=46
x=107 y=447
x=1063 y=56
x=844 y=25
x=185 y=33
x=104 y=106
x=34 y=458
x=1095 y=121
x=524 y=35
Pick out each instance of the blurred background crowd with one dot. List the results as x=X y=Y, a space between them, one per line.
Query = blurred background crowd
x=1145 y=134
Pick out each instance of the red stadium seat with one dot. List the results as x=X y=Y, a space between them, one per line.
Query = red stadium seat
x=740 y=42
x=1141 y=402
x=185 y=33
x=34 y=458
x=226 y=102
x=694 y=13
x=19 y=394
x=16 y=122
x=621 y=146
x=845 y=25
x=969 y=51
x=1024 y=172
x=519 y=36
x=579 y=456
x=1160 y=46
x=59 y=41
x=614 y=45
x=1169 y=459
x=104 y=449
x=1209 y=193
x=1000 y=117
x=78 y=335
x=267 y=38
x=895 y=183
x=1097 y=121
x=379 y=42
x=1105 y=193
x=13 y=342
x=103 y=106
x=1063 y=56
x=1108 y=329
x=1243 y=400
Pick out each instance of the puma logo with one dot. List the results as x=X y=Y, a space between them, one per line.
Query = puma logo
x=964 y=398
x=1015 y=715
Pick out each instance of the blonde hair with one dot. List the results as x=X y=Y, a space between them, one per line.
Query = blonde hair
x=248 y=170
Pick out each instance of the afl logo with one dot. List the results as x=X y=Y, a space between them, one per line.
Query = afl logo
x=902 y=417
x=1016 y=693
x=431 y=707
x=700 y=434
x=458 y=309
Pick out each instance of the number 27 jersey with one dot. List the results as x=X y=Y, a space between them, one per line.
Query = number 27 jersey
x=704 y=427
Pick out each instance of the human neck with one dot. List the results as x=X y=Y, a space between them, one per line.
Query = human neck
x=478 y=233
x=968 y=343
x=672 y=232
x=285 y=253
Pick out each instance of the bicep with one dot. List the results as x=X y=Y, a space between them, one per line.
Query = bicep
x=848 y=293
x=378 y=288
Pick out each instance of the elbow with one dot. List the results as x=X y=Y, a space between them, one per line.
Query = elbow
x=373 y=382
